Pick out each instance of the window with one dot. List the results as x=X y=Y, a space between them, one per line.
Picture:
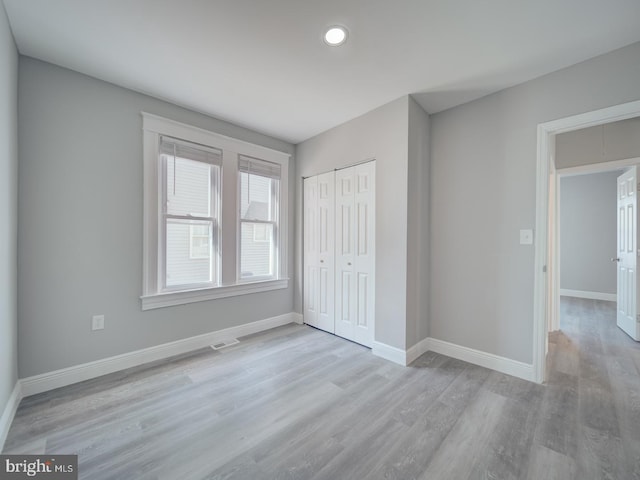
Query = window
x=199 y=241
x=190 y=201
x=260 y=233
x=259 y=206
x=215 y=212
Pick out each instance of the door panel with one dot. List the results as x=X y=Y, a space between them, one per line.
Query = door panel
x=346 y=245
x=324 y=286
x=345 y=282
x=364 y=260
x=310 y=251
x=627 y=318
x=344 y=298
x=363 y=220
x=363 y=319
x=326 y=233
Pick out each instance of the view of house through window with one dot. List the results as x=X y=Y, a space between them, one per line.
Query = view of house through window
x=259 y=197
x=190 y=214
x=200 y=241
x=215 y=215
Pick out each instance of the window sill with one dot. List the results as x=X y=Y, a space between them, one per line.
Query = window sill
x=170 y=299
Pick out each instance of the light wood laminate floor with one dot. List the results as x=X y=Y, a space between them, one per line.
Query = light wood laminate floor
x=297 y=403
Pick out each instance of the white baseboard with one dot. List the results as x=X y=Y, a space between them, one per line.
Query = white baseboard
x=477 y=357
x=398 y=355
x=67 y=376
x=393 y=354
x=483 y=359
x=610 y=297
x=9 y=412
x=418 y=349
x=298 y=318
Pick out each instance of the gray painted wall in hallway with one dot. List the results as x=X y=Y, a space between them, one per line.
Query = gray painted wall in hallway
x=588 y=232
x=483 y=176
x=381 y=134
x=80 y=192
x=8 y=210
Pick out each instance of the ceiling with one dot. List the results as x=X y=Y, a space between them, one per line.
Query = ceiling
x=262 y=64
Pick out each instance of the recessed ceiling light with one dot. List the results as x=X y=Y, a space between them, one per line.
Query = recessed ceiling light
x=335 y=36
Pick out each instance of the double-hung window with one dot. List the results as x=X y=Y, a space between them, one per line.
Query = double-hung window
x=190 y=204
x=215 y=215
x=259 y=210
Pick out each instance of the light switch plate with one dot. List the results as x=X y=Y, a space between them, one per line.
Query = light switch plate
x=97 y=322
x=526 y=237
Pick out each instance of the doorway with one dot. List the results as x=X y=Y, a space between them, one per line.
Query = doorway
x=587 y=234
x=546 y=262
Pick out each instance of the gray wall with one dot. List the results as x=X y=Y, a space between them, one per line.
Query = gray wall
x=8 y=210
x=418 y=226
x=588 y=232
x=381 y=134
x=80 y=231
x=603 y=143
x=483 y=175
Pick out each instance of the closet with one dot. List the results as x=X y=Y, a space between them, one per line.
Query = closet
x=339 y=252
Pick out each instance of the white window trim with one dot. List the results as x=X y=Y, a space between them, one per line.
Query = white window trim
x=183 y=297
x=153 y=126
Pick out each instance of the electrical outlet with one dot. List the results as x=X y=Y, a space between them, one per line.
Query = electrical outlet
x=97 y=322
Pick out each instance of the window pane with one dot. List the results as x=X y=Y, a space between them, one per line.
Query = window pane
x=188 y=187
x=200 y=241
x=256 y=199
x=189 y=253
x=256 y=250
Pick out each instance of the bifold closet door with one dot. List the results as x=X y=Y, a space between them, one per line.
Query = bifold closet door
x=310 y=251
x=355 y=253
x=319 y=233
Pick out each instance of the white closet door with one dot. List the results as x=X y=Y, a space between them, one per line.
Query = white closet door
x=339 y=252
x=345 y=316
x=365 y=252
x=627 y=259
x=319 y=231
x=326 y=247
x=311 y=259
x=355 y=253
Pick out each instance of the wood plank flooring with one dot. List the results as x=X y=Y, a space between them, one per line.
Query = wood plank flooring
x=297 y=403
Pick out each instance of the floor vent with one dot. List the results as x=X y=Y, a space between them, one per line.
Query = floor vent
x=225 y=344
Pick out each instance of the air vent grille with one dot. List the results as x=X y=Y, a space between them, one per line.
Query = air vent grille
x=225 y=344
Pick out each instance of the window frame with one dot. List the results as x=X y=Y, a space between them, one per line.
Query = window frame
x=228 y=261
x=275 y=223
x=215 y=210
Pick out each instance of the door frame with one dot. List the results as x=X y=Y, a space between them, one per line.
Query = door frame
x=546 y=261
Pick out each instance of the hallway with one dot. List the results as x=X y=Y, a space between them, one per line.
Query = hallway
x=591 y=409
